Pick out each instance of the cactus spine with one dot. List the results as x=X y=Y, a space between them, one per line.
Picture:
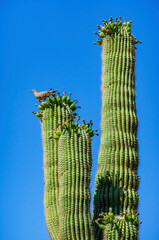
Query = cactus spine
x=116 y=181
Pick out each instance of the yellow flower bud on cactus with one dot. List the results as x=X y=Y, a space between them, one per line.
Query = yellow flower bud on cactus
x=58 y=133
x=102 y=35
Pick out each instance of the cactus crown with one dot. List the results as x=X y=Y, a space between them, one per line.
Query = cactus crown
x=114 y=220
x=70 y=124
x=111 y=27
x=58 y=100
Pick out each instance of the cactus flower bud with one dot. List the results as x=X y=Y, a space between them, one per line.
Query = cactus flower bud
x=102 y=35
x=38 y=114
x=41 y=108
x=64 y=98
x=58 y=133
x=99 y=41
x=56 y=136
x=44 y=104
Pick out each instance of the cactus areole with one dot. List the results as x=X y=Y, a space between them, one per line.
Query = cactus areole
x=68 y=151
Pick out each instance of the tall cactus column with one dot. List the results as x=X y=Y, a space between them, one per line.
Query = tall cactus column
x=53 y=114
x=75 y=161
x=67 y=169
x=116 y=181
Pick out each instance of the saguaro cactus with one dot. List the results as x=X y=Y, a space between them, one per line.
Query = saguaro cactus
x=68 y=154
x=116 y=181
x=67 y=169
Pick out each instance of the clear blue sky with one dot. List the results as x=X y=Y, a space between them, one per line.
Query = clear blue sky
x=46 y=44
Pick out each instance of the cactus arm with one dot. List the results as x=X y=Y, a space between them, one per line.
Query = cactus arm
x=116 y=180
x=74 y=181
x=53 y=113
x=49 y=196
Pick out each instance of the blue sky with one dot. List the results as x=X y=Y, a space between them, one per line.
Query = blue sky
x=46 y=44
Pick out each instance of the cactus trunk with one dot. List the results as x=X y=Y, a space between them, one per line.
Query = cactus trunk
x=52 y=116
x=75 y=161
x=116 y=181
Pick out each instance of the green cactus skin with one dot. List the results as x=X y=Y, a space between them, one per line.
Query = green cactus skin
x=51 y=117
x=116 y=181
x=127 y=232
x=75 y=161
